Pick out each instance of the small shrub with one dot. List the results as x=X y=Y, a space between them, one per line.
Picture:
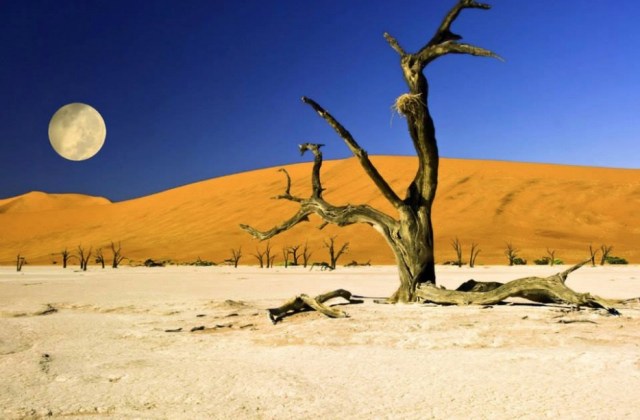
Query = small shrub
x=542 y=261
x=616 y=260
x=547 y=261
x=202 y=263
x=151 y=263
x=519 y=261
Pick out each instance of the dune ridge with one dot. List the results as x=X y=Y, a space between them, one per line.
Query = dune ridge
x=533 y=206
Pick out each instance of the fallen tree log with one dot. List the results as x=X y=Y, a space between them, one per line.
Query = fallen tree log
x=302 y=303
x=544 y=290
x=550 y=289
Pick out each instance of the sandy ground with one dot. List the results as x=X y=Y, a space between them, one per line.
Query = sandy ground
x=76 y=344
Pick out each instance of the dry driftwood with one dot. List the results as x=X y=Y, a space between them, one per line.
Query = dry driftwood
x=302 y=303
x=546 y=290
x=550 y=289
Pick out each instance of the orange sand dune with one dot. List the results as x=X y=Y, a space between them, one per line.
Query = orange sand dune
x=533 y=206
x=37 y=201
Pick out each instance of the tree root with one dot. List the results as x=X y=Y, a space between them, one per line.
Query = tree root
x=302 y=303
x=551 y=289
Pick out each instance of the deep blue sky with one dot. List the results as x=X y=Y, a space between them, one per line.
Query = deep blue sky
x=192 y=90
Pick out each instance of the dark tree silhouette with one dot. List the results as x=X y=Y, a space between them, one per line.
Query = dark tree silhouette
x=294 y=254
x=593 y=252
x=552 y=256
x=100 y=257
x=66 y=257
x=474 y=254
x=409 y=233
x=306 y=255
x=236 y=254
x=457 y=246
x=334 y=254
x=84 y=257
x=117 y=254
x=512 y=253
x=606 y=250
x=20 y=261
x=285 y=255
x=259 y=256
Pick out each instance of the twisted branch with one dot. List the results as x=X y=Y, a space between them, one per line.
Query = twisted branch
x=358 y=152
x=339 y=215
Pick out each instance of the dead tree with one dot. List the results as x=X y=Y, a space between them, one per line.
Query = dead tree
x=306 y=255
x=457 y=246
x=512 y=253
x=294 y=254
x=20 y=261
x=593 y=253
x=84 y=257
x=285 y=255
x=100 y=257
x=269 y=259
x=66 y=256
x=474 y=254
x=552 y=256
x=236 y=254
x=259 y=256
x=606 y=250
x=117 y=255
x=333 y=254
x=408 y=232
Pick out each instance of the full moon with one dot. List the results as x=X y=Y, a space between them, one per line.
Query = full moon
x=77 y=131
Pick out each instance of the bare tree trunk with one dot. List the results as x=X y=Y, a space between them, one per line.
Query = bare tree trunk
x=306 y=254
x=20 y=261
x=333 y=254
x=552 y=256
x=512 y=253
x=293 y=253
x=260 y=257
x=606 y=250
x=474 y=254
x=457 y=246
x=593 y=253
x=117 y=254
x=236 y=254
x=84 y=258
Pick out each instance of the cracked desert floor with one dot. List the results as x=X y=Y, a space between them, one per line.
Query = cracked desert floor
x=119 y=344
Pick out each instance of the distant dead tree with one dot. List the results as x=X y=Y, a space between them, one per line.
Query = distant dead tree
x=474 y=254
x=333 y=254
x=606 y=250
x=66 y=257
x=236 y=254
x=259 y=256
x=264 y=257
x=84 y=257
x=100 y=257
x=285 y=255
x=294 y=254
x=306 y=254
x=268 y=258
x=552 y=256
x=512 y=253
x=593 y=252
x=323 y=266
x=117 y=255
x=457 y=246
x=20 y=261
